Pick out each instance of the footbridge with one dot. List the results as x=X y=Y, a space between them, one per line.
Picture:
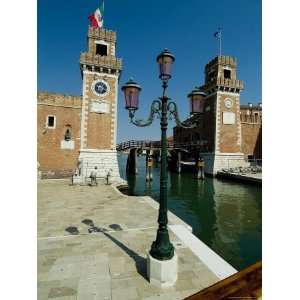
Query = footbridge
x=142 y=144
x=152 y=151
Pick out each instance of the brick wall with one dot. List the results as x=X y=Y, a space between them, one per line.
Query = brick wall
x=204 y=133
x=251 y=130
x=251 y=120
x=54 y=161
x=100 y=128
x=252 y=139
x=229 y=139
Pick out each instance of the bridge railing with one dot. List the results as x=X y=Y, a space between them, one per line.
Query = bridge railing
x=156 y=144
x=138 y=144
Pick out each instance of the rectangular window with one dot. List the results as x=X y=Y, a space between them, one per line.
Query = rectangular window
x=50 y=121
x=227 y=74
x=101 y=49
x=211 y=76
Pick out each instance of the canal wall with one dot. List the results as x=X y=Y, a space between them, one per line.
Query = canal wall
x=215 y=162
x=244 y=178
x=184 y=232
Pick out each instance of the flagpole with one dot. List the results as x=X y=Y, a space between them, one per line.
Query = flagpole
x=220 y=41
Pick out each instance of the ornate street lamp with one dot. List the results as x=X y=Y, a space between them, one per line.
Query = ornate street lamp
x=161 y=249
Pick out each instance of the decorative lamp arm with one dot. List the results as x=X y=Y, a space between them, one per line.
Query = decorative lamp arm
x=173 y=112
x=155 y=109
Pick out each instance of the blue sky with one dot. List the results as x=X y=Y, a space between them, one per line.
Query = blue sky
x=144 y=28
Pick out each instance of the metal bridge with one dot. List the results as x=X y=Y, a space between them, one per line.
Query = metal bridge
x=153 y=145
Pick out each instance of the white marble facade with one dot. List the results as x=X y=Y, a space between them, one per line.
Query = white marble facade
x=105 y=161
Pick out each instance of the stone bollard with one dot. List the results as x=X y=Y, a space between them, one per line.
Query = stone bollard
x=108 y=176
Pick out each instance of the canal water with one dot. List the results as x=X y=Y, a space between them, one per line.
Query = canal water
x=225 y=215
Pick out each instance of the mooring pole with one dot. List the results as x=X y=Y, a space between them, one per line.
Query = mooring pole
x=199 y=166
x=178 y=163
x=148 y=166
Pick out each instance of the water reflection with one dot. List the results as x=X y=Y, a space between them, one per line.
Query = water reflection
x=224 y=215
x=238 y=222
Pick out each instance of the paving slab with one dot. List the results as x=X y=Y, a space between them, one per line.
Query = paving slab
x=93 y=242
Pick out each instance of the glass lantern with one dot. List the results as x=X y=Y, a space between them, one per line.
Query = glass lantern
x=131 y=92
x=165 y=61
x=196 y=97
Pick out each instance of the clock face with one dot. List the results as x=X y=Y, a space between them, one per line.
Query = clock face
x=100 y=88
x=228 y=103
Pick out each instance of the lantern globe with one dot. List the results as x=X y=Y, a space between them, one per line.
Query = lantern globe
x=196 y=97
x=165 y=60
x=131 y=93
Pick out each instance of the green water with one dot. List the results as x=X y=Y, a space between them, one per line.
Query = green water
x=225 y=215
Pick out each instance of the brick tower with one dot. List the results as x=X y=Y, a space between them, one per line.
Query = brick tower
x=100 y=70
x=221 y=118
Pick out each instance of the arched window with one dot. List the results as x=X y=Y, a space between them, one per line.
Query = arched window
x=68 y=135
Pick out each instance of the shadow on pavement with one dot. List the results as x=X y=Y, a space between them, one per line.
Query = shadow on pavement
x=140 y=262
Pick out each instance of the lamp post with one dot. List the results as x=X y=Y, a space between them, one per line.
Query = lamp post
x=161 y=249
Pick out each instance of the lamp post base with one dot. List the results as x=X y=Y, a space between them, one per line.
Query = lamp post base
x=162 y=273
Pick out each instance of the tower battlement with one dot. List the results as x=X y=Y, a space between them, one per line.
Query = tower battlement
x=102 y=34
x=110 y=62
x=57 y=99
x=222 y=60
x=221 y=75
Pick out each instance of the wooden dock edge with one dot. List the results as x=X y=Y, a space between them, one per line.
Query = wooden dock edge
x=246 y=284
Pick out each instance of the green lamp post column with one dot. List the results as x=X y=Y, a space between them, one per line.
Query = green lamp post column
x=162 y=248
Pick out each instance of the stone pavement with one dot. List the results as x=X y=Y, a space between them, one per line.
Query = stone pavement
x=93 y=241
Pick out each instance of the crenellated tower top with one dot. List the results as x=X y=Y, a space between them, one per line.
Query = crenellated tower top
x=220 y=75
x=100 y=55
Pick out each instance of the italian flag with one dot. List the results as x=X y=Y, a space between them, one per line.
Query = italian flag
x=96 y=18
